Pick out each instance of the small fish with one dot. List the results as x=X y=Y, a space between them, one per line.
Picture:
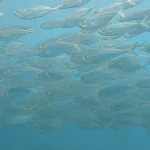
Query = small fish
x=131 y=3
x=111 y=8
x=97 y=57
x=13 y=32
x=145 y=47
x=144 y=83
x=98 y=77
x=116 y=91
x=81 y=38
x=34 y=12
x=51 y=24
x=80 y=13
x=134 y=15
x=72 y=4
x=122 y=28
x=13 y=120
x=70 y=22
x=96 y=22
x=54 y=48
x=112 y=43
x=126 y=4
x=15 y=44
x=127 y=64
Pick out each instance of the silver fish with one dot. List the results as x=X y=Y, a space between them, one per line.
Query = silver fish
x=72 y=4
x=34 y=12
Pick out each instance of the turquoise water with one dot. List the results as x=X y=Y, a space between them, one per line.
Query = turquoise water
x=27 y=136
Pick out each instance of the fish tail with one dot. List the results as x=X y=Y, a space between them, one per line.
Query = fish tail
x=54 y=8
x=31 y=30
x=131 y=51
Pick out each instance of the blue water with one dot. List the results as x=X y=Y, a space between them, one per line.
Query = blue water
x=27 y=137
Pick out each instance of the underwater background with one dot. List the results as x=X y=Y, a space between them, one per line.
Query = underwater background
x=27 y=137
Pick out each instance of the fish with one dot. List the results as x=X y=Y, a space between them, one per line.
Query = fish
x=79 y=38
x=54 y=48
x=13 y=120
x=99 y=77
x=122 y=28
x=116 y=91
x=70 y=22
x=145 y=47
x=33 y=12
x=112 y=43
x=97 y=56
x=65 y=4
x=136 y=15
x=127 y=64
x=97 y=22
x=111 y=8
x=80 y=13
x=13 y=32
x=119 y=6
x=51 y=24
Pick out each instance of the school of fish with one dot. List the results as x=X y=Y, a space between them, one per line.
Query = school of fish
x=94 y=77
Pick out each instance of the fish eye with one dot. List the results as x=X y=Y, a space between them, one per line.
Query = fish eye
x=41 y=46
x=86 y=57
x=5 y=120
x=5 y=93
x=19 y=12
x=61 y=22
x=73 y=56
x=83 y=22
x=138 y=83
x=103 y=30
x=96 y=12
x=101 y=93
x=61 y=3
x=82 y=77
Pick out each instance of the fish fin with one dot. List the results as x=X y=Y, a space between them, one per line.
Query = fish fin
x=54 y=8
x=76 y=45
x=144 y=22
x=130 y=2
x=2 y=15
x=121 y=14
